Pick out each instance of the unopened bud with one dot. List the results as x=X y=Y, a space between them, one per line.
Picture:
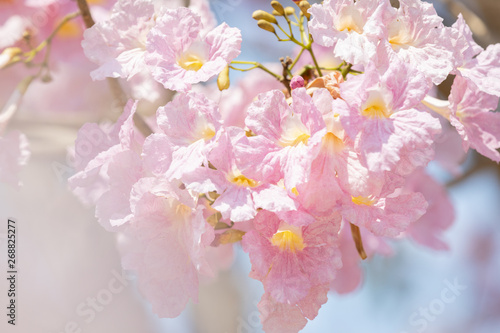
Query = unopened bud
x=223 y=79
x=278 y=7
x=9 y=55
x=289 y=11
x=275 y=13
x=263 y=15
x=266 y=26
x=304 y=6
x=297 y=82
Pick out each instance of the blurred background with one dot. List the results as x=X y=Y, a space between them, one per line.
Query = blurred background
x=67 y=260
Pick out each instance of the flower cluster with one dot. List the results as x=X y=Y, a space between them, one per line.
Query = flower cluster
x=311 y=171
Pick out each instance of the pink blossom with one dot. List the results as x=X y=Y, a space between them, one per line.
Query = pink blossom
x=167 y=241
x=286 y=136
x=382 y=116
x=352 y=28
x=279 y=317
x=118 y=44
x=484 y=70
x=478 y=128
x=289 y=260
x=94 y=150
x=439 y=216
x=178 y=56
x=380 y=206
x=416 y=36
x=240 y=196
x=191 y=122
x=472 y=61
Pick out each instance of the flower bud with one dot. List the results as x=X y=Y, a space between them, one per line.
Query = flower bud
x=304 y=6
x=275 y=13
x=278 y=7
x=263 y=15
x=266 y=26
x=289 y=11
x=297 y=82
x=223 y=79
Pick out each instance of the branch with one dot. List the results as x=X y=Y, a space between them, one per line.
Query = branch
x=84 y=9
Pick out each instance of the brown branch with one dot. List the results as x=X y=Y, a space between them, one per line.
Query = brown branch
x=84 y=9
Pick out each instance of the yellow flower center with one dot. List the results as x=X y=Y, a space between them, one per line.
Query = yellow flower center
x=241 y=180
x=294 y=132
x=375 y=106
x=360 y=200
x=350 y=19
x=190 y=62
x=399 y=36
x=332 y=143
x=207 y=133
x=288 y=240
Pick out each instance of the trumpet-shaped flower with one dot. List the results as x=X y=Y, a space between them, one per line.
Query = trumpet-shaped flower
x=382 y=117
x=180 y=54
x=352 y=28
x=291 y=261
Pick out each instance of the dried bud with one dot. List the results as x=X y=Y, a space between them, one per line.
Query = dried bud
x=278 y=7
x=263 y=15
x=289 y=11
x=304 y=6
x=266 y=26
x=223 y=79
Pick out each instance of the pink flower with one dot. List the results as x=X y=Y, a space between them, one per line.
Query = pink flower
x=279 y=317
x=191 y=123
x=286 y=136
x=382 y=117
x=94 y=150
x=352 y=28
x=386 y=215
x=291 y=261
x=484 y=70
x=439 y=216
x=416 y=36
x=118 y=45
x=168 y=237
x=473 y=62
x=178 y=56
x=240 y=196
x=478 y=128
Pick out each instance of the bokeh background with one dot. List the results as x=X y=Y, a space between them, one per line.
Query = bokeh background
x=66 y=259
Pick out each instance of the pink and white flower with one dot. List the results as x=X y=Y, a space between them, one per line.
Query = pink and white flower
x=381 y=114
x=180 y=54
x=416 y=36
x=352 y=28
x=295 y=265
